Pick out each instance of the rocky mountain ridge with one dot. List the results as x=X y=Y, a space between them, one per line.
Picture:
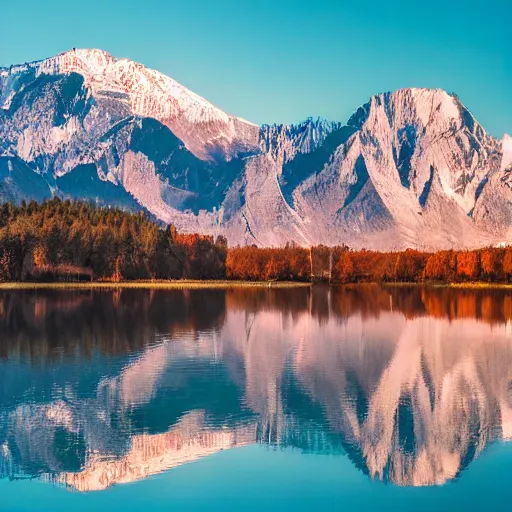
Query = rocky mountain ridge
x=411 y=168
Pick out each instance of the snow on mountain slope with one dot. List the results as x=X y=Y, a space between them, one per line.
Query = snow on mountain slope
x=507 y=152
x=206 y=130
x=411 y=168
x=493 y=209
x=417 y=159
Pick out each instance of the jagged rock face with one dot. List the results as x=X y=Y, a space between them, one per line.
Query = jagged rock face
x=416 y=159
x=411 y=168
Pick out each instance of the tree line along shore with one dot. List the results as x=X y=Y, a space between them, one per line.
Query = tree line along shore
x=64 y=241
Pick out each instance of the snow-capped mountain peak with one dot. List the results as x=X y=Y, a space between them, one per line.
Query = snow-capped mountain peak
x=149 y=93
x=410 y=168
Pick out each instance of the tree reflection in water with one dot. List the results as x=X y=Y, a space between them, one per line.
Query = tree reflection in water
x=103 y=387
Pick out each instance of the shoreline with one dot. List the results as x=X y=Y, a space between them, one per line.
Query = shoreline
x=477 y=285
x=191 y=284
x=154 y=285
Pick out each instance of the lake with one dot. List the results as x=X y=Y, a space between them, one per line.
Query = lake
x=363 y=398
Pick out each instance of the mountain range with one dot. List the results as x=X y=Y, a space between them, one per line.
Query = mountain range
x=411 y=168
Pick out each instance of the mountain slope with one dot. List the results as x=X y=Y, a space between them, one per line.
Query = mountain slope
x=412 y=168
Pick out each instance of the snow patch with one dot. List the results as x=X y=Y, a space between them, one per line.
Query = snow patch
x=506 y=145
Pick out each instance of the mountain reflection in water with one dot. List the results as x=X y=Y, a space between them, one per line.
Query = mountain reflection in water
x=104 y=387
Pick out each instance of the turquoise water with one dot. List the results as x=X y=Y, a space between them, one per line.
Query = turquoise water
x=359 y=399
x=255 y=478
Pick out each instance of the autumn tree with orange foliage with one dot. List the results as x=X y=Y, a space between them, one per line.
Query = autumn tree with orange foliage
x=468 y=265
x=441 y=266
x=409 y=266
x=491 y=262
x=255 y=264
x=507 y=264
x=344 y=270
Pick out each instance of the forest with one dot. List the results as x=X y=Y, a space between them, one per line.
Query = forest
x=341 y=265
x=76 y=241
x=68 y=241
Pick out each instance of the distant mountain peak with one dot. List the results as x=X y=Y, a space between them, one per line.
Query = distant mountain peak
x=286 y=140
x=418 y=104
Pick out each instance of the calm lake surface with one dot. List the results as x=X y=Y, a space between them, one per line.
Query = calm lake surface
x=358 y=399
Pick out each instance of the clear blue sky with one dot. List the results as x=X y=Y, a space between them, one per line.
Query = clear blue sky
x=284 y=60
